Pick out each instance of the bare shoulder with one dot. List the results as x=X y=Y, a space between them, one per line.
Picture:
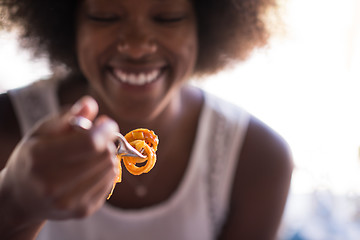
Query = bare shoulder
x=9 y=128
x=265 y=165
x=261 y=185
x=265 y=150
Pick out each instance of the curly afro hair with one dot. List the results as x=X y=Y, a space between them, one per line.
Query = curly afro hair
x=228 y=30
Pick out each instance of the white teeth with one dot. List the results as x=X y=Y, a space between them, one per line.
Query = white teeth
x=136 y=78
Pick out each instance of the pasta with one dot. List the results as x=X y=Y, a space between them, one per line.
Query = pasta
x=146 y=142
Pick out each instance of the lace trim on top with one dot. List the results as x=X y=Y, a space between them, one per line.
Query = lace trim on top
x=228 y=130
x=34 y=102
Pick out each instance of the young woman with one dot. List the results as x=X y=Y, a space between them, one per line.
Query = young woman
x=220 y=172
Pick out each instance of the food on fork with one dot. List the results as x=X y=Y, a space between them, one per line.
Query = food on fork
x=146 y=142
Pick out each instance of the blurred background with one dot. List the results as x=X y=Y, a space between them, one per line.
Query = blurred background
x=306 y=86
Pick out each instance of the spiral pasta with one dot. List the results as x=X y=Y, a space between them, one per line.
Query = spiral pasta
x=146 y=142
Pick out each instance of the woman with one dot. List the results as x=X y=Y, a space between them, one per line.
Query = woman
x=220 y=173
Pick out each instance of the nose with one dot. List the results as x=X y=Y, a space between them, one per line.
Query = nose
x=137 y=42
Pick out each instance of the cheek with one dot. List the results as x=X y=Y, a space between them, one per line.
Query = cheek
x=85 y=56
x=188 y=52
x=190 y=45
x=88 y=47
x=82 y=44
x=192 y=50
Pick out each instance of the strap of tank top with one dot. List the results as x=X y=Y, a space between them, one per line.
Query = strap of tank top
x=32 y=103
x=229 y=129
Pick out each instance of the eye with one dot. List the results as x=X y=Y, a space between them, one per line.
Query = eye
x=103 y=18
x=170 y=18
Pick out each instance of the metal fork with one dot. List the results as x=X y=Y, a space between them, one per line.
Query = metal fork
x=124 y=148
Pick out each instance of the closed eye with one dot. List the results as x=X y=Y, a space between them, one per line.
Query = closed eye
x=170 y=19
x=112 y=18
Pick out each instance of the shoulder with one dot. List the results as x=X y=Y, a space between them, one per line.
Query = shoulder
x=261 y=145
x=265 y=147
x=261 y=184
x=9 y=128
x=265 y=160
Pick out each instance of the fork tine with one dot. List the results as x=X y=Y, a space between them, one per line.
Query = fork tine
x=125 y=149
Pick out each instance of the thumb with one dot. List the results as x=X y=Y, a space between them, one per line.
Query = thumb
x=85 y=107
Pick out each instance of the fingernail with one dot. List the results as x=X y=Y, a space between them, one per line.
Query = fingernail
x=106 y=124
x=110 y=126
x=103 y=133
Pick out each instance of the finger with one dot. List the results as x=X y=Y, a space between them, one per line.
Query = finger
x=86 y=107
x=100 y=191
x=60 y=175
x=81 y=171
x=55 y=124
x=94 y=199
x=103 y=130
x=78 y=144
x=74 y=196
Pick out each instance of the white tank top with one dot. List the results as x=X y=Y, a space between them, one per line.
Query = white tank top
x=196 y=210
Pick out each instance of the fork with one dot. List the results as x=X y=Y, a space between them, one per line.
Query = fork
x=124 y=148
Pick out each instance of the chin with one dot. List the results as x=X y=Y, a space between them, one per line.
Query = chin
x=137 y=115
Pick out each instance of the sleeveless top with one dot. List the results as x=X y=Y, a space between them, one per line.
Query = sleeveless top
x=196 y=210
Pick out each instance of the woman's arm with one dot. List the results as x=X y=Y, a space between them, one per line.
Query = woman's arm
x=13 y=224
x=56 y=171
x=261 y=186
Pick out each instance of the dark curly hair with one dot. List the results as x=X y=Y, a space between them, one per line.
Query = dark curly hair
x=228 y=30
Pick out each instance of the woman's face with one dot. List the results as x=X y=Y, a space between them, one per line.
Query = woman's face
x=136 y=54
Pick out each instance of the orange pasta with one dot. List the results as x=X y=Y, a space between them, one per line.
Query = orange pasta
x=146 y=142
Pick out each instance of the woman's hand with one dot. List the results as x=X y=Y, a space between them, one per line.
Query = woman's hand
x=59 y=172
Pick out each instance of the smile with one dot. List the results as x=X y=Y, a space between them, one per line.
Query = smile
x=138 y=79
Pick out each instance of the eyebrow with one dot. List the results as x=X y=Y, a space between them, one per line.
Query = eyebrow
x=170 y=1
